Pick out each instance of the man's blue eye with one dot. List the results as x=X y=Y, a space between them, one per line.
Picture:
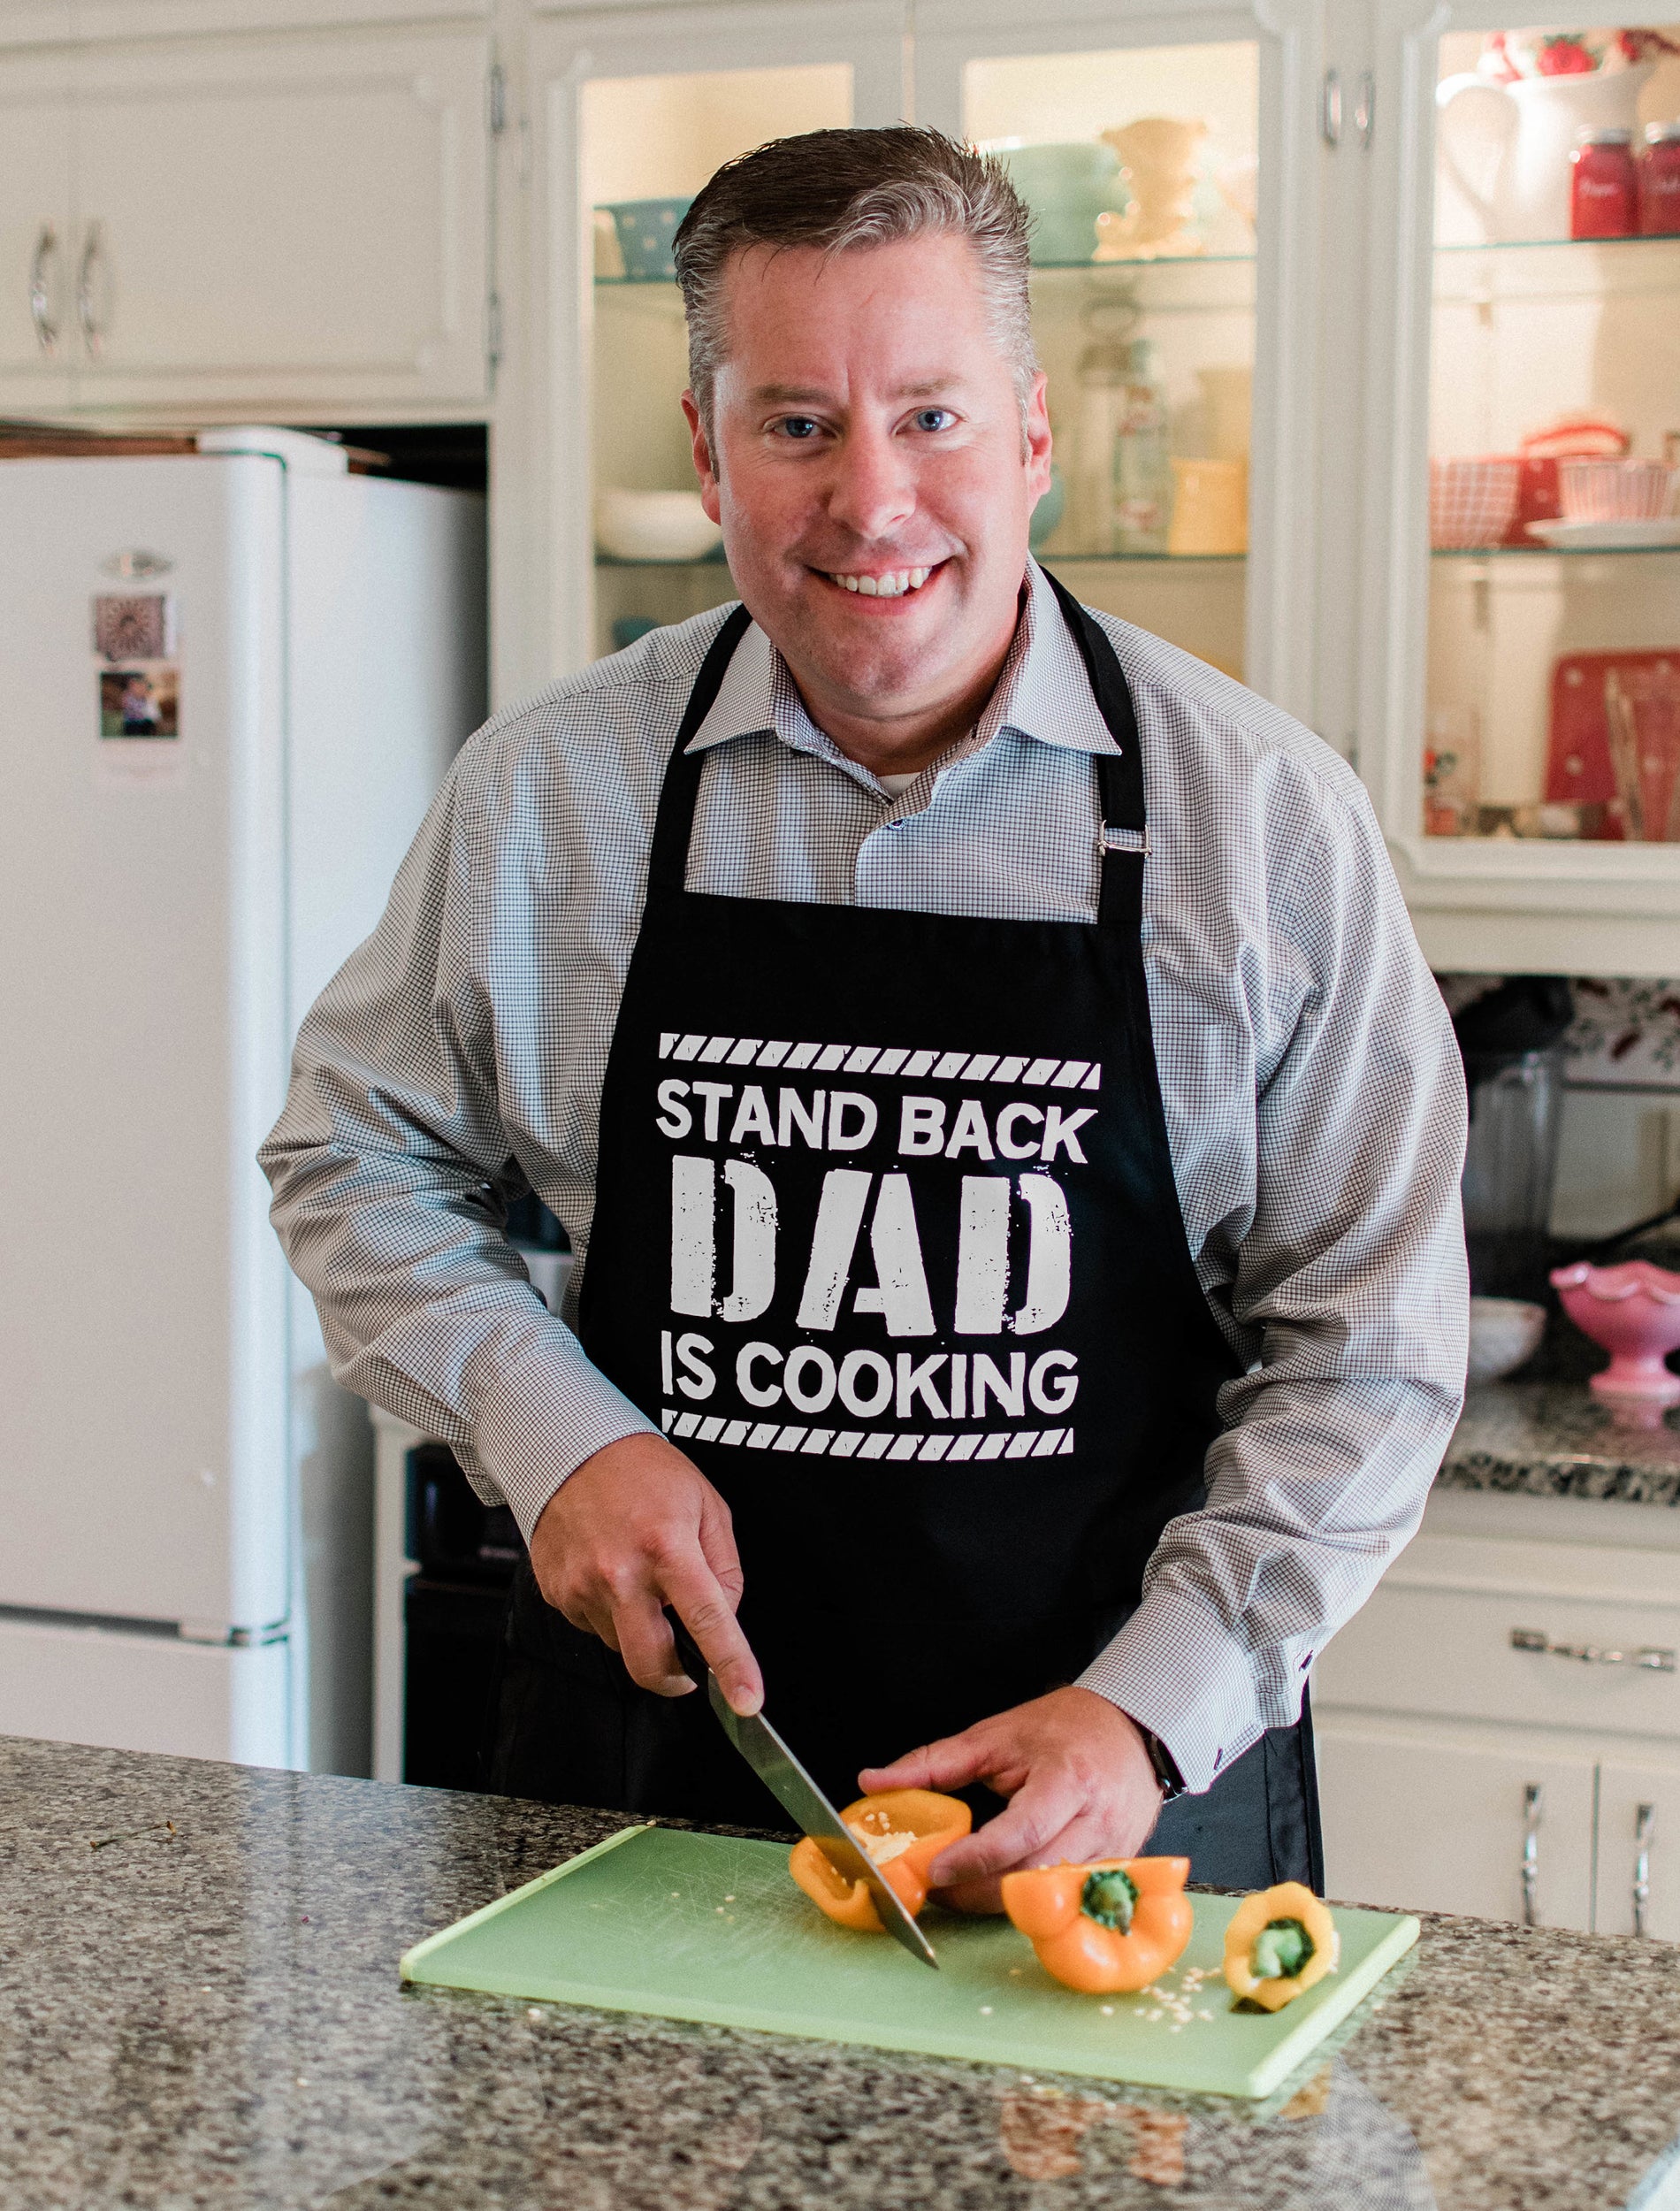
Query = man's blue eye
x=799 y=426
x=935 y=418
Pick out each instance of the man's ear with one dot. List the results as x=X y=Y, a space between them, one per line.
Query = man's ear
x=705 y=466
x=1035 y=438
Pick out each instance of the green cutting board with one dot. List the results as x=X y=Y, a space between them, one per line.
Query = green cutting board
x=693 y=1926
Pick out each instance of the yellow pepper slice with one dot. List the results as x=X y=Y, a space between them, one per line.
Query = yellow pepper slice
x=1281 y=1942
x=934 y=1821
x=1114 y=1925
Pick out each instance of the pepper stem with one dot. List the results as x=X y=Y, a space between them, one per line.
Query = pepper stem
x=1110 y=1898
x=1282 y=1950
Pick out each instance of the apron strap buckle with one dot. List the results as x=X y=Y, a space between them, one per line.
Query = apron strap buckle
x=1125 y=840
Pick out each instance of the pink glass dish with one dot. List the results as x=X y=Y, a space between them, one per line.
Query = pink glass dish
x=1634 y=1311
x=1599 y=490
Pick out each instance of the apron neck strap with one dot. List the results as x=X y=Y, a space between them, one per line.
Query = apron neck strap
x=1125 y=839
x=668 y=865
x=1119 y=776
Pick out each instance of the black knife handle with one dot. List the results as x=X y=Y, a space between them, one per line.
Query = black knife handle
x=688 y=1652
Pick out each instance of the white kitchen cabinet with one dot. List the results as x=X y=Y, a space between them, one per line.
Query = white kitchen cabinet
x=1519 y=1644
x=1482 y=717
x=266 y=222
x=36 y=315
x=1637 y=1871
x=1423 y=1819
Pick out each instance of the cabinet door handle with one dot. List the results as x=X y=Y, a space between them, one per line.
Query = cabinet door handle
x=1648 y=1658
x=39 y=296
x=1644 y=1827
x=92 y=254
x=1330 y=108
x=1365 y=107
x=1532 y=1855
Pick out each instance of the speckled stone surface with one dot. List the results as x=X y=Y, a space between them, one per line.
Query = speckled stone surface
x=199 y=2005
x=1550 y=1438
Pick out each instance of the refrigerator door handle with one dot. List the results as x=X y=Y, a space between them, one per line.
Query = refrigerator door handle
x=224 y=1637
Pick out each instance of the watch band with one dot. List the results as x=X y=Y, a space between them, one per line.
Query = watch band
x=1167 y=1772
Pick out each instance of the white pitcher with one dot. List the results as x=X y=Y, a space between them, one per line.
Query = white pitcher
x=1507 y=147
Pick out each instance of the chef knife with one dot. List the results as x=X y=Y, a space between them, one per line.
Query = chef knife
x=798 y=1795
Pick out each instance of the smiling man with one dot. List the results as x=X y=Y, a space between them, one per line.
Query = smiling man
x=981 y=1058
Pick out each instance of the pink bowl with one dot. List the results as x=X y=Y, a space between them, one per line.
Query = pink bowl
x=1634 y=1311
x=1615 y=491
x=1473 y=503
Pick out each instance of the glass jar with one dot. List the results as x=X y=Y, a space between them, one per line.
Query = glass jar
x=1603 y=190
x=1659 y=175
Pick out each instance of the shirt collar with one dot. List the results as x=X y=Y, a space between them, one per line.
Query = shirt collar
x=1043 y=693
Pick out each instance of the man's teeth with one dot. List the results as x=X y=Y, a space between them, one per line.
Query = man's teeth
x=893 y=586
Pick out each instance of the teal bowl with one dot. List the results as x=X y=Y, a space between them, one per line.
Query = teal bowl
x=1067 y=187
x=645 y=229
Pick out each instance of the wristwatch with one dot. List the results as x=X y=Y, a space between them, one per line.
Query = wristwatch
x=1165 y=1772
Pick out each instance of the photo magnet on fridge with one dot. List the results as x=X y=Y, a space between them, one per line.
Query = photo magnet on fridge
x=140 y=703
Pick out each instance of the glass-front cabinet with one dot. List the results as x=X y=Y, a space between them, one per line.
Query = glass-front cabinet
x=1173 y=294
x=635 y=111
x=1362 y=320
x=1521 y=697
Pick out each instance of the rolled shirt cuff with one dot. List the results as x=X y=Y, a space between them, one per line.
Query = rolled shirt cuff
x=544 y=1416
x=1179 y=1671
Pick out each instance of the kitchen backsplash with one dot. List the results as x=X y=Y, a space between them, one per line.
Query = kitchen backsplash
x=1619 y=1153
x=1626 y=1032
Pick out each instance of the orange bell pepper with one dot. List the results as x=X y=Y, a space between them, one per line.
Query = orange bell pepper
x=933 y=1820
x=1279 y=1942
x=1116 y=1924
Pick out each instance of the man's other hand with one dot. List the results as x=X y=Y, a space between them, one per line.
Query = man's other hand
x=635 y=1528
x=1078 y=1778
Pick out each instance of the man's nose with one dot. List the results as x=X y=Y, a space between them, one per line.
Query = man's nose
x=872 y=491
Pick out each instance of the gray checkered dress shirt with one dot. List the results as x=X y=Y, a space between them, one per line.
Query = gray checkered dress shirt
x=1314 y=1099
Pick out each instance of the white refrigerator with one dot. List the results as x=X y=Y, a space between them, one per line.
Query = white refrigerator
x=229 y=683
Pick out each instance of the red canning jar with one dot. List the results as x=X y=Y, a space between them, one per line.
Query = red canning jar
x=1659 y=173
x=1602 y=187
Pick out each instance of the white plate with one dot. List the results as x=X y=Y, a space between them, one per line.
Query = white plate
x=1626 y=536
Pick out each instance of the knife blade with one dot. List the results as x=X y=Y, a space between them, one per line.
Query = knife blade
x=793 y=1788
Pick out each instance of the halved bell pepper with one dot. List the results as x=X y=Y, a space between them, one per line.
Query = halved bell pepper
x=1279 y=1942
x=1116 y=1924
x=934 y=1821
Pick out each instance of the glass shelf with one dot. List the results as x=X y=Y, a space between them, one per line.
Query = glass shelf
x=1058 y=556
x=1147 y=261
x=705 y=559
x=1552 y=552
x=1044 y=268
x=1554 y=245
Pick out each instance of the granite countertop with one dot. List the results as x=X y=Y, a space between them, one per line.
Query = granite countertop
x=199 y=2006
x=1549 y=1437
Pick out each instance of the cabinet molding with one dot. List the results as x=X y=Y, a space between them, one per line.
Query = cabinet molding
x=100 y=22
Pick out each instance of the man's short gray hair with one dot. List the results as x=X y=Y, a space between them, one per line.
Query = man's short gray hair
x=838 y=189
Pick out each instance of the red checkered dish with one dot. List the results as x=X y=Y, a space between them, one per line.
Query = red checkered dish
x=1472 y=503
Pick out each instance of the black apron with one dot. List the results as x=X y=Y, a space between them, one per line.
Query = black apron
x=886 y=1239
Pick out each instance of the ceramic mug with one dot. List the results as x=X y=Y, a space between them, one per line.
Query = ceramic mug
x=1210 y=506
